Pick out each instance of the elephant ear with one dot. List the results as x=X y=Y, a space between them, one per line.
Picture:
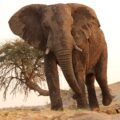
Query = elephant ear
x=85 y=21
x=26 y=23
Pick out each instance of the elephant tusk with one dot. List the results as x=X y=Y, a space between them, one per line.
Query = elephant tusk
x=78 y=48
x=47 y=51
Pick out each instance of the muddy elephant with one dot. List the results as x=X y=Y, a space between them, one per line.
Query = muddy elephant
x=71 y=37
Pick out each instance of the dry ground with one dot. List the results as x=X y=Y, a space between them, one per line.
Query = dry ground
x=111 y=112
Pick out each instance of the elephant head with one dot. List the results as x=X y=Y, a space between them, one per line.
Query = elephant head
x=49 y=28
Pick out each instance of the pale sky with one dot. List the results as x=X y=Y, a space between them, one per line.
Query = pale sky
x=108 y=15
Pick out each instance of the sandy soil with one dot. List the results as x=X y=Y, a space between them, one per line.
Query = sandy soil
x=111 y=112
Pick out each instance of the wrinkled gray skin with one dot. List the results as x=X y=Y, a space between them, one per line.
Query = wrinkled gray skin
x=70 y=36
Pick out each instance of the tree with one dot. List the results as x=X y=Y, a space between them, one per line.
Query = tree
x=21 y=68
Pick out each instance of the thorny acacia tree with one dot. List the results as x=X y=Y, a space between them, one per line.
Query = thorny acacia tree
x=21 y=68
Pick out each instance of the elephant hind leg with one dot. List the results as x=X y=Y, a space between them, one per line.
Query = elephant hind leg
x=90 y=78
x=101 y=77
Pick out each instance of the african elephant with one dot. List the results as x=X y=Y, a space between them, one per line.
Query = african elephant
x=70 y=36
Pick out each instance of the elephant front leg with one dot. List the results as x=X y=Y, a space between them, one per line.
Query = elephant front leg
x=81 y=100
x=79 y=70
x=51 y=73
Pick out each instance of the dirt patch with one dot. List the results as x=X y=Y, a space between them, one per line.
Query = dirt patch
x=47 y=114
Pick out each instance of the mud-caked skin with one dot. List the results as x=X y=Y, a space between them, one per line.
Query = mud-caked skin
x=70 y=36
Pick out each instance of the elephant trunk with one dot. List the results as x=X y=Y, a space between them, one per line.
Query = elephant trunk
x=64 y=58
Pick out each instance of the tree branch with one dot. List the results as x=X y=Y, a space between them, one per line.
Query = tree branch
x=35 y=87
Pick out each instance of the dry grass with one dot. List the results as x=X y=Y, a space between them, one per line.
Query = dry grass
x=46 y=114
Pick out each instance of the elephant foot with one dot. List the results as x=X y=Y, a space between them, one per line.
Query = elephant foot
x=57 y=108
x=57 y=105
x=94 y=106
x=81 y=102
x=95 y=109
x=107 y=99
x=82 y=106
